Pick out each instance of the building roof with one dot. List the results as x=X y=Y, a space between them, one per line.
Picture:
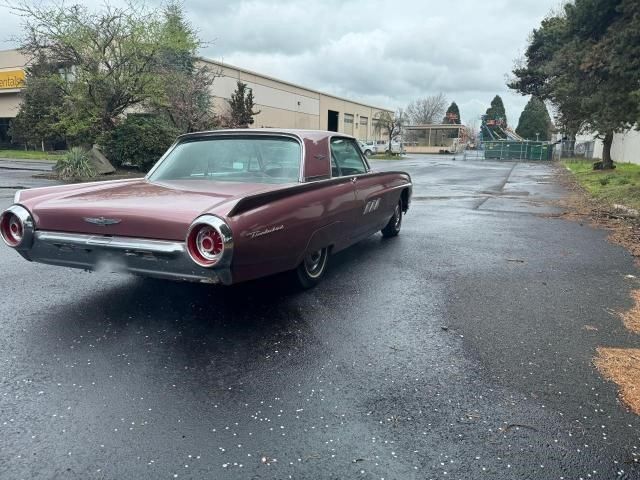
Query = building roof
x=439 y=126
x=291 y=84
x=240 y=69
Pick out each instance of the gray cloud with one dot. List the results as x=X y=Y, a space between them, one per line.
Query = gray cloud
x=380 y=52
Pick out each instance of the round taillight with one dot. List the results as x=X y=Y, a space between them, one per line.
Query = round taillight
x=11 y=229
x=205 y=245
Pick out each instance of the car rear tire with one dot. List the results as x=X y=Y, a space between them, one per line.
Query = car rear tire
x=392 y=228
x=310 y=272
x=368 y=153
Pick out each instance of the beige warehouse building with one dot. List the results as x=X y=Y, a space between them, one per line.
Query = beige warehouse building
x=282 y=104
x=11 y=81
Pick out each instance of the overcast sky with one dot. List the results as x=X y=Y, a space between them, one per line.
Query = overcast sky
x=386 y=53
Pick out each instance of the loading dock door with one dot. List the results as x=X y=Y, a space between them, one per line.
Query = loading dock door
x=332 y=121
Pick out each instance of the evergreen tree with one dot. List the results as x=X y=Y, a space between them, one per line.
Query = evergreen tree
x=585 y=61
x=452 y=117
x=39 y=123
x=496 y=111
x=535 y=122
x=241 y=106
x=187 y=99
x=180 y=41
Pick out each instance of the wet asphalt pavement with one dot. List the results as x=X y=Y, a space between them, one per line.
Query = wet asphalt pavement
x=456 y=351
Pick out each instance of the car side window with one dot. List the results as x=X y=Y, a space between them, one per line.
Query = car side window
x=335 y=171
x=347 y=157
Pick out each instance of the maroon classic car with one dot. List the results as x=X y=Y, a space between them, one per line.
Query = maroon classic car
x=218 y=207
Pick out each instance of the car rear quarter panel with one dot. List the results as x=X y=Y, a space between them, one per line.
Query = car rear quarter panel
x=274 y=237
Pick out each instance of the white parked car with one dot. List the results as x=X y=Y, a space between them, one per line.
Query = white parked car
x=396 y=147
x=380 y=146
x=383 y=146
x=368 y=148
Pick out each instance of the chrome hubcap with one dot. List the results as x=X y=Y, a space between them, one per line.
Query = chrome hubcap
x=314 y=263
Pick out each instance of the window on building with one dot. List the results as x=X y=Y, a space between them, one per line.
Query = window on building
x=348 y=123
x=363 y=133
x=377 y=128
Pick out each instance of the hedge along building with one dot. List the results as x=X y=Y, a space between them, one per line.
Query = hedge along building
x=281 y=104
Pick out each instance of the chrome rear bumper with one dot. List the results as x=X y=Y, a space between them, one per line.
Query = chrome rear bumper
x=140 y=256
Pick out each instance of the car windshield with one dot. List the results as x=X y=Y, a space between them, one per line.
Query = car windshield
x=248 y=159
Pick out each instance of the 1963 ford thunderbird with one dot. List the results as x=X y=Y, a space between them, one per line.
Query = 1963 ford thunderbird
x=218 y=207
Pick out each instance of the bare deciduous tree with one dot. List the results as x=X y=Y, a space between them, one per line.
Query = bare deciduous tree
x=188 y=102
x=427 y=110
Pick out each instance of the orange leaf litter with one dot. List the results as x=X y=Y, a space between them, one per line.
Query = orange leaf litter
x=622 y=366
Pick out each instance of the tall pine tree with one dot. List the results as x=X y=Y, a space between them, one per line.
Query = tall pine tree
x=452 y=117
x=584 y=60
x=187 y=101
x=39 y=121
x=241 y=107
x=535 y=122
x=496 y=111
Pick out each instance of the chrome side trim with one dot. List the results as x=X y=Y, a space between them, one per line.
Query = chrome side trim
x=16 y=197
x=27 y=227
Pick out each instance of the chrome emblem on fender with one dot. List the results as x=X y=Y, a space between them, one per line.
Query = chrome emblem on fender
x=102 y=221
x=371 y=206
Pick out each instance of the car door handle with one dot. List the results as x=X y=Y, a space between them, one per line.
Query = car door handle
x=354 y=179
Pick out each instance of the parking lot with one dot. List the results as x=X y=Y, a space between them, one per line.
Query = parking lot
x=456 y=350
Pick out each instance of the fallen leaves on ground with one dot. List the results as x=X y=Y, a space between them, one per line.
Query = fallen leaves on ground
x=631 y=318
x=622 y=366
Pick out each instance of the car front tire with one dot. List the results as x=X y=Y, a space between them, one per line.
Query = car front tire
x=310 y=272
x=368 y=153
x=392 y=228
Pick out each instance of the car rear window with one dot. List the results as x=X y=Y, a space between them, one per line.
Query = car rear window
x=249 y=159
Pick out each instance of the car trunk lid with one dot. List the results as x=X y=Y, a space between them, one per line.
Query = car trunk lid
x=135 y=209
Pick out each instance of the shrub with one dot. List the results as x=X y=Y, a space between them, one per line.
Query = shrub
x=75 y=164
x=139 y=141
x=622 y=181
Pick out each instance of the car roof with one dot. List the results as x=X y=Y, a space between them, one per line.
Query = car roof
x=302 y=134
